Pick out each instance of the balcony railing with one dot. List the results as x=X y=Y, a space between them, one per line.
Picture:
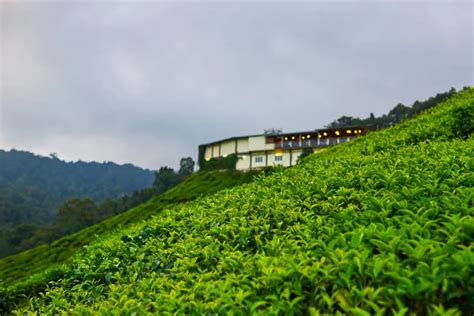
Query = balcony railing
x=311 y=143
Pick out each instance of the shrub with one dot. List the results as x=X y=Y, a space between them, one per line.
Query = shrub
x=220 y=163
x=463 y=121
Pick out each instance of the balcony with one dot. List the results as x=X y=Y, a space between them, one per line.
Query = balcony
x=311 y=143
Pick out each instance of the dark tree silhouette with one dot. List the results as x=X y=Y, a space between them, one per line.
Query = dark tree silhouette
x=186 y=166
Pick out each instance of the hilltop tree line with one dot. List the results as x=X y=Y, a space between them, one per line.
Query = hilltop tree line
x=398 y=113
x=17 y=234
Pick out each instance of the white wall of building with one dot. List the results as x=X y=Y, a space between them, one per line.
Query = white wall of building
x=215 y=151
x=243 y=163
x=208 y=152
x=243 y=145
x=295 y=156
x=258 y=160
x=256 y=143
x=249 y=149
x=228 y=147
x=268 y=159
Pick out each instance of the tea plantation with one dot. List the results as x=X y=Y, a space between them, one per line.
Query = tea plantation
x=29 y=271
x=380 y=225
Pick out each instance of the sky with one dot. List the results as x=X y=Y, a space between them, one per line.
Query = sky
x=146 y=82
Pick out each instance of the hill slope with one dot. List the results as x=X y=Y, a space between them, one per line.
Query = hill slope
x=382 y=224
x=17 y=268
x=32 y=187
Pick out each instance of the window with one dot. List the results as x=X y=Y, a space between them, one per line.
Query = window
x=278 y=158
x=259 y=159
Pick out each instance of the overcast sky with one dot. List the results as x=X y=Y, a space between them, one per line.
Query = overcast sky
x=147 y=82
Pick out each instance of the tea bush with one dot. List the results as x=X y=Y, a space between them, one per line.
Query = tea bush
x=382 y=224
x=29 y=272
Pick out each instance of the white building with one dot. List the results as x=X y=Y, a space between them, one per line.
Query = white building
x=259 y=151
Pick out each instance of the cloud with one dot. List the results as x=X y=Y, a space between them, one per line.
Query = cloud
x=146 y=82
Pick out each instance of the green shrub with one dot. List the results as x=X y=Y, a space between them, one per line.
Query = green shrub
x=463 y=123
x=220 y=163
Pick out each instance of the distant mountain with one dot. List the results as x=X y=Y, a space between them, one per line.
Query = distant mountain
x=32 y=187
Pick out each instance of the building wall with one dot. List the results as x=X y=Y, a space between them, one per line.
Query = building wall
x=267 y=158
x=295 y=156
x=285 y=159
x=215 y=151
x=243 y=163
x=228 y=147
x=258 y=160
x=242 y=145
x=257 y=143
x=251 y=147
x=208 y=152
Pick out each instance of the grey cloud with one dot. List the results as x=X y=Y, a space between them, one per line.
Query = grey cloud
x=146 y=82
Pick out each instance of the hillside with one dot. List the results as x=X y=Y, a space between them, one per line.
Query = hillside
x=382 y=224
x=47 y=258
x=32 y=187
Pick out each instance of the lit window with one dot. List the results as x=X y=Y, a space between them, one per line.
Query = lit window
x=278 y=158
x=349 y=131
x=259 y=159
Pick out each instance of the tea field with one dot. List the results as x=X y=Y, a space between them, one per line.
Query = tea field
x=29 y=271
x=380 y=225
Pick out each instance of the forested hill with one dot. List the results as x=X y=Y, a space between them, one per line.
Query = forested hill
x=32 y=187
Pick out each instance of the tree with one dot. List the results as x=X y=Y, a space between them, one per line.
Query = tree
x=399 y=112
x=345 y=121
x=186 y=166
x=21 y=232
x=371 y=119
x=75 y=214
x=463 y=122
x=165 y=178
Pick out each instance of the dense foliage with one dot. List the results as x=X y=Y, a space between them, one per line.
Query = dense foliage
x=79 y=212
x=398 y=113
x=220 y=163
x=382 y=224
x=33 y=187
x=24 y=278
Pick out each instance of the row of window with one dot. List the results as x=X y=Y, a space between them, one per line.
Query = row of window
x=259 y=159
x=326 y=141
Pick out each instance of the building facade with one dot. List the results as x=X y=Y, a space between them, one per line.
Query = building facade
x=260 y=151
